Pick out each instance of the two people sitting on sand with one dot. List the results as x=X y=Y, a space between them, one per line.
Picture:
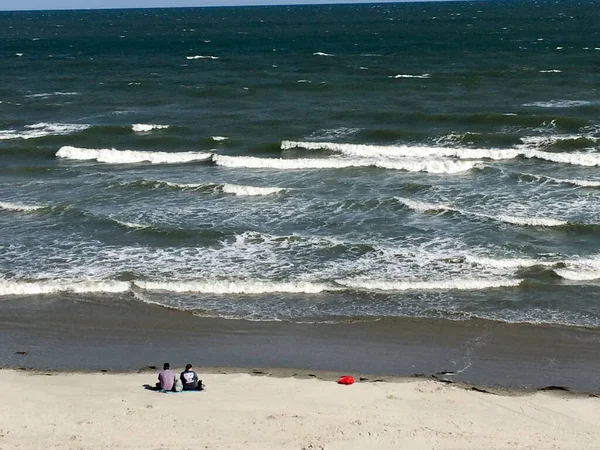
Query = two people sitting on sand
x=167 y=380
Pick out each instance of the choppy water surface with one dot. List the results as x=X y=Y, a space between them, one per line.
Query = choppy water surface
x=306 y=163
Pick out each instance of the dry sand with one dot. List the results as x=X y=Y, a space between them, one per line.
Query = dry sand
x=114 y=411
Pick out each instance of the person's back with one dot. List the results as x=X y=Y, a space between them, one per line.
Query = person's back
x=166 y=377
x=189 y=379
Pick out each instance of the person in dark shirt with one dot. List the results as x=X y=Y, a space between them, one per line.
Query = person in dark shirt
x=189 y=378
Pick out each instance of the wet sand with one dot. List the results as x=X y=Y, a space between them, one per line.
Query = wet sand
x=70 y=334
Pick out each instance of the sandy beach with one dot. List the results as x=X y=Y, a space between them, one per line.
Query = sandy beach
x=115 y=411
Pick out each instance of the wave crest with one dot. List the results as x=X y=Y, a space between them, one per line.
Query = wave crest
x=431 y=166
x=249 y=190
x=113 y=156
x=146 y=127
x=55 y=286
x=19 y=207
x=234 y=287
x=452 y=284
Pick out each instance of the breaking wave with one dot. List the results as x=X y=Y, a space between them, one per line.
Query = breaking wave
x=559 y=104
x=51 y=94
x=19 y=207
x=55 y=286
x=42 y=129
x=402 y=151
x=452 y=284
x=226 y=188
x=574 y=182
x=422 y=76
x=235 y=286
x=431 y=166
x=513 y=220
x=201 y=57
x=249 y=190
x=113 y=156
x=144 y=128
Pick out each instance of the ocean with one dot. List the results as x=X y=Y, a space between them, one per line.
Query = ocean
x=332 y=163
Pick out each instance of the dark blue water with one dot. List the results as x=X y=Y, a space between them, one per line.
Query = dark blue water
x=306 y=163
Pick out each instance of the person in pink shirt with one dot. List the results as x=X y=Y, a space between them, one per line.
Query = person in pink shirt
x=166 y=378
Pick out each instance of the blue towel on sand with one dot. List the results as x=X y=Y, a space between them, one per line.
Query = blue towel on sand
x=162 y=391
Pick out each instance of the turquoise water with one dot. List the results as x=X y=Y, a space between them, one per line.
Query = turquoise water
x=306 y=163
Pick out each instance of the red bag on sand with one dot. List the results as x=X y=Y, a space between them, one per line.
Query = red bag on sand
x=346 y=379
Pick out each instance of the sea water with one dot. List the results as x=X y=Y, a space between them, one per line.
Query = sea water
x=306 y=163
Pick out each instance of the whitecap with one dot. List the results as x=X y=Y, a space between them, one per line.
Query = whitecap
x=402 y=151
x=221 y=287
x=559 y=103
x=143 y=127
x=8 y=206
x=513 y=220
x=219 y=138
x=113 y=156
x=249 y=190
x=414 y=165
x=50 y=94
x=322 y=54
x=43 y=129
x=451 y=284
x=572 y=181
x=202 y=57
x=528 y=221
x=421 y=76
x=9 y=287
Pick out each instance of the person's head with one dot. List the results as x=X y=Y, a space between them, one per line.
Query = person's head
x=188 y=367
x=166 y=366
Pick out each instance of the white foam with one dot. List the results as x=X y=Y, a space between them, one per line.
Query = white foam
x=529 y=221
x=133 y=225
x=551 y=71
x=581 y=269
x=578 y=275
x=507 y=263
x=575 y=182
x=577 y=158
x=50 y=94
x=559 y=103
x=219 y=138
x=249 y=190
x=202 y=57
x=424 y=206
x=19 y=207
x=113 y=156
x=400 y=75
x=143 y=127
x=322 y=54
x=221 y=287
x=431 y=166
x=452 y=284
x=513 y=220
x=43 y=129
x=161 y=183
x=402 y=151
x=55 y=286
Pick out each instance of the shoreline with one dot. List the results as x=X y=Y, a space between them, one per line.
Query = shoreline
x=321 y=375
x=79 y=335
